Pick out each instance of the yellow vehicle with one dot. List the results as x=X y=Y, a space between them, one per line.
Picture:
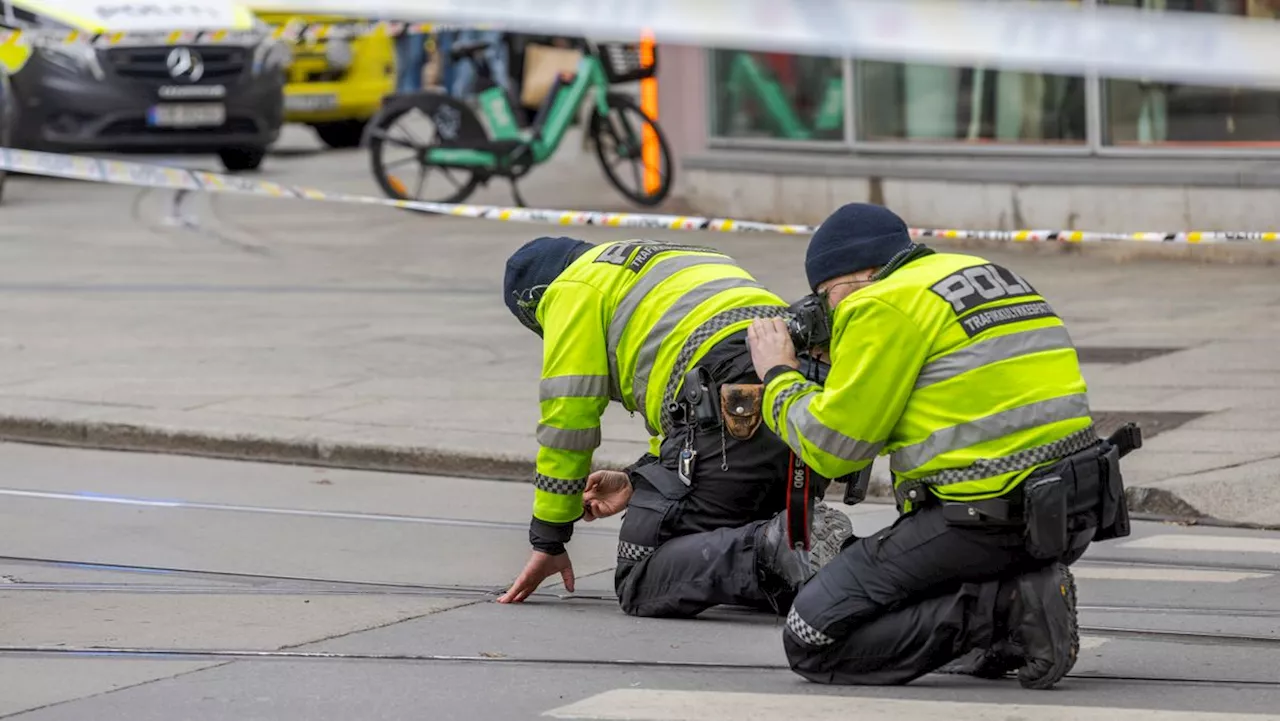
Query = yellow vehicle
x=336 y=85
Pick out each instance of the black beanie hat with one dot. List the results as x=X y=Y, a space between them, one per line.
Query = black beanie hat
x=855 y=237
x=531 y=269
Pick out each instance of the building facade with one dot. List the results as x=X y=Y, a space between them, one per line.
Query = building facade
x=786 y=138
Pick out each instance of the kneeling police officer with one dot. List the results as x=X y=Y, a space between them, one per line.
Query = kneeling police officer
x=964 y=374
x=662 y=329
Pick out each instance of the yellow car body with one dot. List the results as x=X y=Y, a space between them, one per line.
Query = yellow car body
x=336 y=85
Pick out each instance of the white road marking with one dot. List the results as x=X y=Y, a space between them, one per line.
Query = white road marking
x=1220 y=544
x=658 y=705
x=1089 y=642
x=349 y=515
x=1180 y=575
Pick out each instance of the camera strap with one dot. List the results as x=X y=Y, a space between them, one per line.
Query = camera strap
x=799 y=478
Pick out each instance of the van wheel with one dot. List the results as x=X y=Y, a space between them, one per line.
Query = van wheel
x=239 y=159
x=341 y=133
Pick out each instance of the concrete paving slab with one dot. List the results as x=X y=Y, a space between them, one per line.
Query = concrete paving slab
x=322 y=548
x=571 y=629
x=324 y=691
x=1247 y=491
x=255 y=623
x=32 y=683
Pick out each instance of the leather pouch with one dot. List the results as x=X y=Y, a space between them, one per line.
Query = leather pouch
x=740 y=405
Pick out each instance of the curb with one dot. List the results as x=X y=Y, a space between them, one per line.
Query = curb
x=1145 y=503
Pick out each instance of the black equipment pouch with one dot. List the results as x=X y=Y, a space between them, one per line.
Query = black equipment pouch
x=1046 y=516
x=1113 y=509
x=701 y=397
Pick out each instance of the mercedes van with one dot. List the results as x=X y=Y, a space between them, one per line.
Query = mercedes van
x=195 y=96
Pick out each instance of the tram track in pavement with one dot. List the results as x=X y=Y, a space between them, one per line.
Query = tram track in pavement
x=280 y=585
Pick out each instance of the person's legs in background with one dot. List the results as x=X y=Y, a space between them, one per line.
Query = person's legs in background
x=411 y=56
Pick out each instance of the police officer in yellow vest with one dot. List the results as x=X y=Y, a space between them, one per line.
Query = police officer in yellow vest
x=962 y=372
x=660 y=329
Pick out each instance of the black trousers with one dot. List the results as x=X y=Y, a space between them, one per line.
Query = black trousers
x=683 y=550
x=905 y=601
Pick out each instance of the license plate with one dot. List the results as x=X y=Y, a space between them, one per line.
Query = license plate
x=187 y=115
x=310 y=102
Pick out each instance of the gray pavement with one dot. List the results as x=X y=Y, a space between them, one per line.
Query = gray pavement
x=372 y=338
x=147 y=586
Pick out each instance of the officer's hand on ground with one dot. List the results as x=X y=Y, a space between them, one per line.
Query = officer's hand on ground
x=770 y=345
x=607 y=493
x=540 y=567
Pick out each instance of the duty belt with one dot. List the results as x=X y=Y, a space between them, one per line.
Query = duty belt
x=913 y=490
x=699 y=336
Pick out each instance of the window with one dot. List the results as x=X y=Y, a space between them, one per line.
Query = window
x=913 y=102
x=1159 y=113
x=777 y=96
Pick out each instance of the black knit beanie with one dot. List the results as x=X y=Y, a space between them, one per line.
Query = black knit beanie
x=855 y=237
x=531 y=269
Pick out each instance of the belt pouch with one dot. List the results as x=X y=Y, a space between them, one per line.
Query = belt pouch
x=1046 y=516
x=1114 y=521
x=740 y=404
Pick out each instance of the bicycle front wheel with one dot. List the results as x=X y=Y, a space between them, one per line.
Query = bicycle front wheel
x=620 y=146
x=410 y=127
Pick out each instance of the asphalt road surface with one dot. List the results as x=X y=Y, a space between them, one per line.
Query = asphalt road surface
x=144 y=587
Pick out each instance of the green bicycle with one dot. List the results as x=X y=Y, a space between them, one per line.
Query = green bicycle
x=748 y=80
x=469 y=153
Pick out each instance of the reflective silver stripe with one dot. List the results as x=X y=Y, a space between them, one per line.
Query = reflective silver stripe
x=827 y=439
x=559 y=486
x=578 y=439
x=648 y=355
x=785 y=394
x=993 y=351
x=573 y=387
x=996 y=425
x=660 y=269
x=1020 y=461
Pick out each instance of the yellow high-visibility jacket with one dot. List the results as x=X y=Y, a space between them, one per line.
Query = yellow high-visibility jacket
x=954 y=366
x=625 y=322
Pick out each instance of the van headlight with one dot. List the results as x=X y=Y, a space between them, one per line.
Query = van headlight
x=271 y=56
x=75 y=57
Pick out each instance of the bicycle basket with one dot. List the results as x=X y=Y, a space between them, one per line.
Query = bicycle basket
x=622 y=63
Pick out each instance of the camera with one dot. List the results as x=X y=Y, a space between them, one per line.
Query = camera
x=809 y=323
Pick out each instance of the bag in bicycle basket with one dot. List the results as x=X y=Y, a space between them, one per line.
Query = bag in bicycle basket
x=622 y=62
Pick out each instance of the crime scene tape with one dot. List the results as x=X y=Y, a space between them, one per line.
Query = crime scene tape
x=117 y=172
x=1069 y=38
x=300 y=32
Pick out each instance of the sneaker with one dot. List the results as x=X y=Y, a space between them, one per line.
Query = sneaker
x=829 y=531
x=1042 y=623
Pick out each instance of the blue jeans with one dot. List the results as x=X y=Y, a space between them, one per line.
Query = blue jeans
x=464 y=73
x=411 y=57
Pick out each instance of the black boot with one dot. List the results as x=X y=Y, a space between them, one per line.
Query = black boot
x=1039 y=611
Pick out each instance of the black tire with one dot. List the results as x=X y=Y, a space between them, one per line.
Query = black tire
x=341 y=133
x=632 y=120
x=237 y=160
x=463 y=130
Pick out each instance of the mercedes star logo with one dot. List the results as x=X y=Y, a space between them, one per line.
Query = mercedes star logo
x=185 y=64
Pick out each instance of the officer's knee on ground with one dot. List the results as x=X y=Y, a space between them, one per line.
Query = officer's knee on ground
x=808 y=661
